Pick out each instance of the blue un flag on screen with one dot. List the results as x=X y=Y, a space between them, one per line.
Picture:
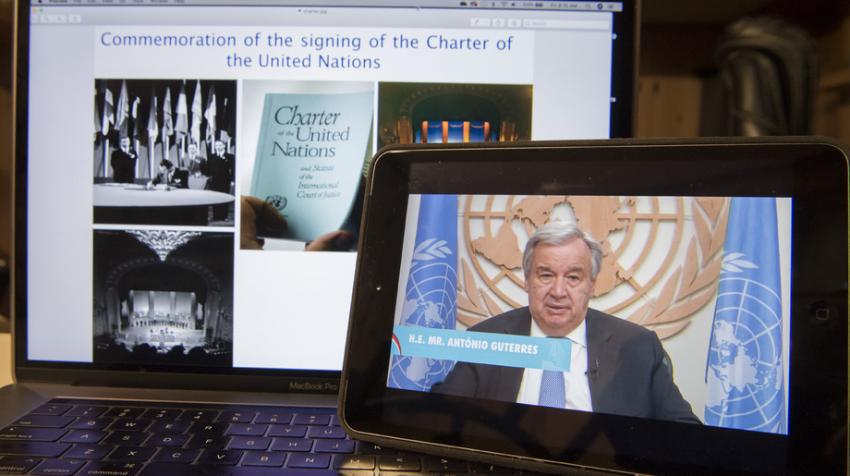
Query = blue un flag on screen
x=744 y=374
x=431 y=290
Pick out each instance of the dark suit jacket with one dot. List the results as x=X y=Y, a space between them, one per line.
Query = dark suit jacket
x=220 y=171
x=626 y=372
x=123 y=166
x=180 y=179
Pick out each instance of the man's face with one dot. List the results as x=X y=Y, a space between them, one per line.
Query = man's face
x=219 y=148
x=193 y=150
x=560 y=286
x=125 y=144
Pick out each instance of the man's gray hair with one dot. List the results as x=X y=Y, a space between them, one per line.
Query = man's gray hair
x=559 y=233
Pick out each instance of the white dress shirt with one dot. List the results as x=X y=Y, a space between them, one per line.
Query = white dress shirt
x=577 y=387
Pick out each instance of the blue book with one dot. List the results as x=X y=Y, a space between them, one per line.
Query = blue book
x=311 y=156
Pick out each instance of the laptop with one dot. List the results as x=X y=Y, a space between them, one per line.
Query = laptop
x=187 y=203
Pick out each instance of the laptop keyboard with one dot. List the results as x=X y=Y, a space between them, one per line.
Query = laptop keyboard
x=114 y=438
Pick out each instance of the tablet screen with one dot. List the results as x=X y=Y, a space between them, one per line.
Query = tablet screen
x=661 y=307
x=636 y=306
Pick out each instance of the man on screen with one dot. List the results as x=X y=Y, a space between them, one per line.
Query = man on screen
x=617 y=367
x=123 y=162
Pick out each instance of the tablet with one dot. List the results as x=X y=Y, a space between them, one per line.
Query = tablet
x=652 y=307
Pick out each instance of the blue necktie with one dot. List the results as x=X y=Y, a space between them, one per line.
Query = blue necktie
x=552 y=389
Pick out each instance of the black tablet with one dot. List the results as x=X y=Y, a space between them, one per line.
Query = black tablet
x=653 y=307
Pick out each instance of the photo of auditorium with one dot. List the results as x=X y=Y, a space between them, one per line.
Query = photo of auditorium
x=163 y=297
x=443 y=113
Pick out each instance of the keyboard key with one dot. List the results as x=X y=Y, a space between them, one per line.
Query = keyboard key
x=334 y=446
x=59 y=467
x=175 y=440
x=310 y=419
x=90 y=423
x=273 y=417
x=177 y=455
x=200 y=441
x=434 y=464
x=327 y=432
x=44 y=421
x=308 y=461
x=25 y=433
x=87 y=411
x=132 y=454
x=52 y=409
x=236 y=417
x=89 y=451
x=223 y=457
x=366 y=448
x=126 y=424
x=262 y=458
x=125 y=412
x=242 y=429
x=203 y=416
x=289 y=431
x=208 y=429
x=162 y=414
x=98 y=468
x=17 y=464
x=354 y=462
x=401 y=462
x=84 y=436
x=170 y=427
x=295 y=445
x=249 y=443
x=126 y=438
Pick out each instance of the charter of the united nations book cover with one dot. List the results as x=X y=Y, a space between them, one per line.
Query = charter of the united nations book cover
x=311 y=153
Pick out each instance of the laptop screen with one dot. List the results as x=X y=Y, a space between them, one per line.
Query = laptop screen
x=191 y=171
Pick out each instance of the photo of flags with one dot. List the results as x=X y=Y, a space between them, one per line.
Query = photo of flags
x=158 y=121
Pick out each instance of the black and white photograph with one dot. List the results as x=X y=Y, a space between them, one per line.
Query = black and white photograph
x=164 y=152
x=163 y=297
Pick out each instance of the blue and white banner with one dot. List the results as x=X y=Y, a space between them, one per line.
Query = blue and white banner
x=483 y=348
x=431 y=291
x=745 y=374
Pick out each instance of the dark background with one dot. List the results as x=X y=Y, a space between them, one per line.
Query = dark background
x=676 y=69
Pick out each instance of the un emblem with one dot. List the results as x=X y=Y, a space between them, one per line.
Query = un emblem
x=277 y=201
x=661 y=254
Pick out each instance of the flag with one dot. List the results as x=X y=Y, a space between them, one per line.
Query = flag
x=224 y=124
x=137 y=121
x=209 y=115
x=431 y=290
x=108 y=113
x=97 y=125
x=197 y=112
x=745 y=374
x=181 y=126
x=122 y=111
x=153 y=126
x=167 y=120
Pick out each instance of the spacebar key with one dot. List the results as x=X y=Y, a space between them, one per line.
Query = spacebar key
x=32 y=448
x=175 y=469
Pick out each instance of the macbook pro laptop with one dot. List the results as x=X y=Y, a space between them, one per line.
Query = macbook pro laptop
x=188 y=176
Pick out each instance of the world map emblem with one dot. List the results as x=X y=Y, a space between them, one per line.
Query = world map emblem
x=429 y=302
x=744 y=376
x=662 y=255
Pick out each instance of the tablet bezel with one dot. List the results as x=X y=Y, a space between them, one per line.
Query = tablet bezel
x=812 y=171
